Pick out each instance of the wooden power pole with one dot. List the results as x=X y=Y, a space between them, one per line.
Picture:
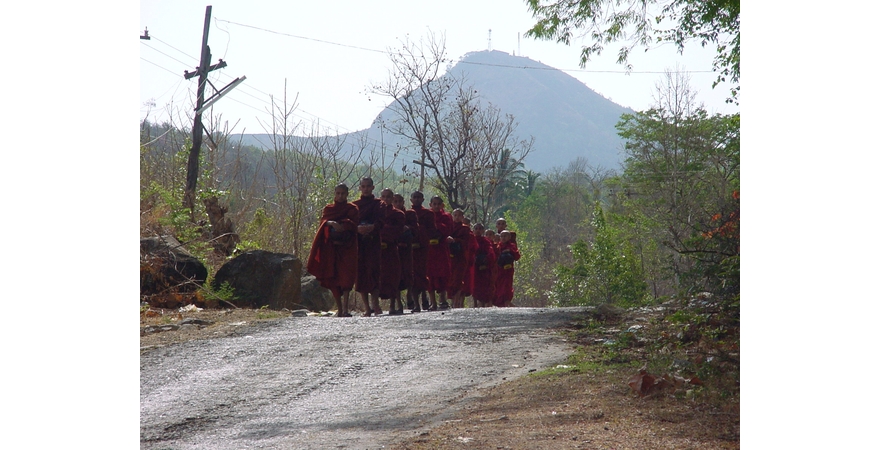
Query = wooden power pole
x=192 y=165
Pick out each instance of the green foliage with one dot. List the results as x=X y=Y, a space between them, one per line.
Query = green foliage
x=644 y=23
x=224 y=294
x=529 y=277
x=604 y=271
x=683 y=167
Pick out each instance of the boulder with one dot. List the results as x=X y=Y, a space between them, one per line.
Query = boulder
x=315 y=297
x=167 y=270
x=260 y=278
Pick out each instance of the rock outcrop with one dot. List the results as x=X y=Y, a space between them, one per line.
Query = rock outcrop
x=169 y=272
x=260 y=278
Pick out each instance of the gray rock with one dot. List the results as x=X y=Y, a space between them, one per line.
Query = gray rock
x=300 y=313
x=260 y=278
x=158 y=328
x=314 y=297
x=195 y=321
x=607 y=311
x=168 y=267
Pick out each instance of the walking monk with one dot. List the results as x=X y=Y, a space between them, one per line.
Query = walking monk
x=438 y=255
x=404 y=249
x=369 y=225
x=427 y=229
x=333 y=257
x=459 y=254
x=484 y=261
x=507 y=254
x=394 y=221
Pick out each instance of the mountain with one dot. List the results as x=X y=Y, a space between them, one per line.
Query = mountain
x=567 y=118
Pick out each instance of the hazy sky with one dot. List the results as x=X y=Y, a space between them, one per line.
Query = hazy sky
x=329 y=52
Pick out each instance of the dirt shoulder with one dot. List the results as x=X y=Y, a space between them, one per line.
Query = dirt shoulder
x=585 y=403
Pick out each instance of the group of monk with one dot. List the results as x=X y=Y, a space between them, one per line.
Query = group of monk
x=379 y=249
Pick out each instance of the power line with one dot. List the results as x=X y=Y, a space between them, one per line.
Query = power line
x=578 y=70
x=303 y=37
x=463 y=62
x=166 y=54
x=163 y=68
x=175 y=48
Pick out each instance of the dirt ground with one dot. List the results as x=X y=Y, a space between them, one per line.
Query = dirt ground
x=584 y=404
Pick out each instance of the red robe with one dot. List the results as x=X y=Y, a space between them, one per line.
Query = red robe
x=484 y=283
x=504 y=280
x=335 y=265
x=459 y=253
x=370 y=212
x=468 y=288
x=392 y=228
x=438 y=253
x=405 y=250
x=420 y=247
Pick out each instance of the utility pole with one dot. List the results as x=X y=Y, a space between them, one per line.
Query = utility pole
x=192 y=165
x=423 y=164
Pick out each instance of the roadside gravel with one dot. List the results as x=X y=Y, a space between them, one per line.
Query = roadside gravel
x=321 y=382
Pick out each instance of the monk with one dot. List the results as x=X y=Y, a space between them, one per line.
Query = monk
x=369 y=225
x=468 y=289
x=438 y=255
x=501 y=225
x=404 y=250
x=484 y=260
x=459 y=241
x=394 y=221
x=427 y=228
x=507 y=254
x=334 y=254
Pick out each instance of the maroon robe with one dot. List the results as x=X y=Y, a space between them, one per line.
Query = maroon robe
x=392 y=228
x=420 y=247
x=459 y=254
x=334 y=264
x=370 y=212
x=405 y=250
x=468 y=288
x=438 y=253
x=504 y=280
x=484 y=261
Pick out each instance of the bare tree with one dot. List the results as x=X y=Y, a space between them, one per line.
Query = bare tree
x=461 y=141
x=304 y=169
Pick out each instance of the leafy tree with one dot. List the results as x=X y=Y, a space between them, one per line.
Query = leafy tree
x=605 y=270
x=681 y=177
x=643 y=23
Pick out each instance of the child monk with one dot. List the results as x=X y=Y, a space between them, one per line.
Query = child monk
x=389 y=274
x=459 y=241
x=484 y=284
x=507 y=254
x=334 y=254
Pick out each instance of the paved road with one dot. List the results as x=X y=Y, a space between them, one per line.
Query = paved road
x=321 y=382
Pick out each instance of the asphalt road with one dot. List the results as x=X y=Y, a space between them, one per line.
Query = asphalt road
x=350 y=383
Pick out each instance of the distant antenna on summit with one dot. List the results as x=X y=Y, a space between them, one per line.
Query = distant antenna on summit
x=490 y=39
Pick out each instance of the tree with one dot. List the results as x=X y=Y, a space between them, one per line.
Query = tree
x=682 y=176
x=604 y=270
x=639 y=23
x=460 y=139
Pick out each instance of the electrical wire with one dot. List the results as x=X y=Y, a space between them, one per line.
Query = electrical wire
x=463 y=62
